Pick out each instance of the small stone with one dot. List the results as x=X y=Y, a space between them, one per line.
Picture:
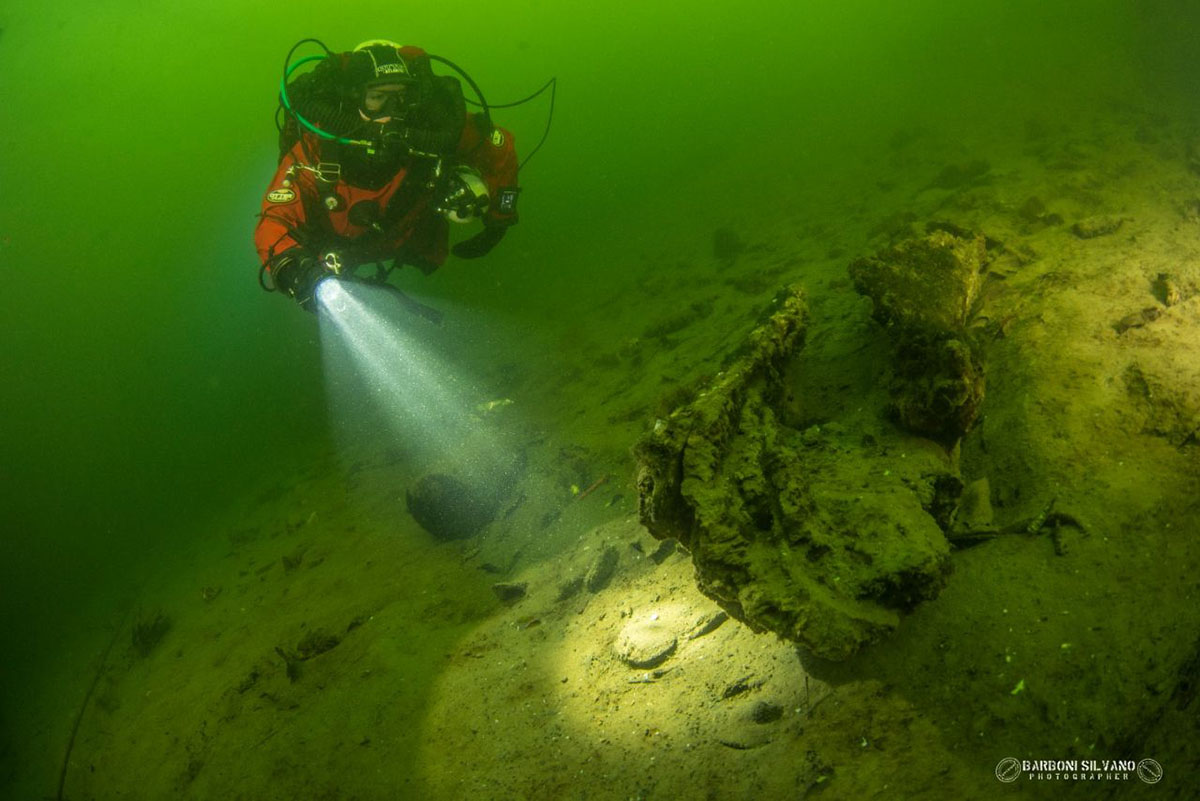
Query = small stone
x=742 y=685
x=766 y=712
x=1137 y=319
x=602 y=571
x=956 y=176
x=708 y=623
x=975 y=507
x=570 y=588
x=509 y=593
x=664 y=550
x=1099 y=225
x=1032 y=210
x=316 y=642
x=1166 y=290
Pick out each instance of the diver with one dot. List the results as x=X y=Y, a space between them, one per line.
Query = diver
x=378 y=155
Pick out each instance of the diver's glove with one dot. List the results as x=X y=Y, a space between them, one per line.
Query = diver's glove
x=481 y=244
x=296 y=273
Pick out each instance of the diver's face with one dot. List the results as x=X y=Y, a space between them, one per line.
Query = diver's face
x=382 y=102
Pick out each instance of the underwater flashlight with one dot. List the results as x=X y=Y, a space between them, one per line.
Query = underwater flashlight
x=332 y=295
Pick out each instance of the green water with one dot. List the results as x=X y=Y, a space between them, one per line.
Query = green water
x=149 y=386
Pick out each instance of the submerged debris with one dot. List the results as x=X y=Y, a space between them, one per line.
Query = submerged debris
x=595 y=485
x=830 y=570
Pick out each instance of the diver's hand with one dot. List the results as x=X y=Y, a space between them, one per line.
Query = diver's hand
x=481 y=244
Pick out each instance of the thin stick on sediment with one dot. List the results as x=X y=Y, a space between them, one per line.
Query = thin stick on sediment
x=62 y=774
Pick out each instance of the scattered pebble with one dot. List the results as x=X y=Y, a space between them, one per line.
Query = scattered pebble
x=1137 y=319
x=1166 y=290
x=570 y=588
x=663 y=551
x=708 y=623
x=1099 y=225
x=766 y=712
x=509 y=593
x=602 y=571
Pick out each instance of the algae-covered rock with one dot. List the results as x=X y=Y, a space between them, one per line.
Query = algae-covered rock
x=925 y=291
x=787 y=535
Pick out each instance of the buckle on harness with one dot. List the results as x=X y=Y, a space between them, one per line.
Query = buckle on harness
x=326 y=172
x=332 y=261
x=329 y=172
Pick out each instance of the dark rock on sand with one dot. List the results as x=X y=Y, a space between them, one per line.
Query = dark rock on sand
x=448 y=508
